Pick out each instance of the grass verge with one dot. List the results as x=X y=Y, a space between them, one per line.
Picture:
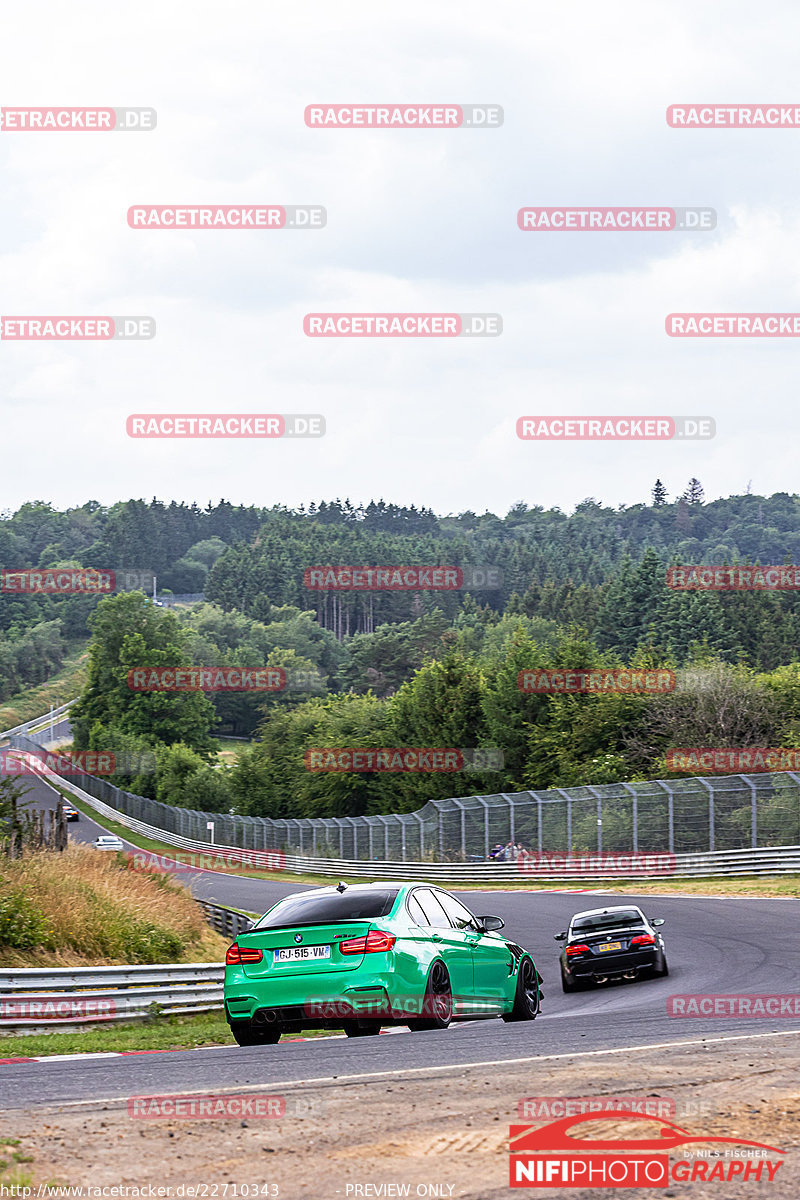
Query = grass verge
x=84 y=908
x=166 y=1033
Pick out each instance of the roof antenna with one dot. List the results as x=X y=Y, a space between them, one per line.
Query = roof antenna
x=341 y=886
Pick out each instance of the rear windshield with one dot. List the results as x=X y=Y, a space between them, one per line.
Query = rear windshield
x=628 y=916
x=356 y=904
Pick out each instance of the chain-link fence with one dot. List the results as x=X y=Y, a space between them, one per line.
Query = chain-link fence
x=697 y=814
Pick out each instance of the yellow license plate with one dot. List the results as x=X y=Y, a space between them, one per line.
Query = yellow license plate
x=610 y=946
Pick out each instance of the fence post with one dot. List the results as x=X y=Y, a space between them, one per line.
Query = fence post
x=463 y=828
x=753 y=811
x=711 y=837
x=512 y=825
x=634 y=817
x=599 y=800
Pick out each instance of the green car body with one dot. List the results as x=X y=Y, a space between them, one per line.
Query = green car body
x=369 y=955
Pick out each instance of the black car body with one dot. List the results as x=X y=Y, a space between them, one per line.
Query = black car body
x=611 y=943
x=70 y=813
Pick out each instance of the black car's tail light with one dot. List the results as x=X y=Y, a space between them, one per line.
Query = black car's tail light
x=643 y=939
x=238 y=955
x=375 y=942
x=579 y=949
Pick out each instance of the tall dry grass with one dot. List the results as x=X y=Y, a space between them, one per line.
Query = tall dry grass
x=96 y=910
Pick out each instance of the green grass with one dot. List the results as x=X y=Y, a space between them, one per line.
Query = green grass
x=167 y=1033
x=65 y=685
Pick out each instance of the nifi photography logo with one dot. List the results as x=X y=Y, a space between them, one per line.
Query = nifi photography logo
x=557 y=1155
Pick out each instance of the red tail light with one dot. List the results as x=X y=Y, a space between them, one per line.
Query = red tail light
x=579 y=949
x=237 y=955
x=375 y=942
x=643 y=939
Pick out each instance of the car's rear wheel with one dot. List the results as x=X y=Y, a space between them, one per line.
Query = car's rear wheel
x=361 y=1028
x=246 y=1035
x=437 y=1001
x=567 y=984
x=663 y=970
x=526 y=997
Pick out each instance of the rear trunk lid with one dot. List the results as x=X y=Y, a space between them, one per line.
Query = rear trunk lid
x=303 y=949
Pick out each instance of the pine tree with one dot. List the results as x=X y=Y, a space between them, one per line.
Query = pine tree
x=694 y=493
x=659 y=494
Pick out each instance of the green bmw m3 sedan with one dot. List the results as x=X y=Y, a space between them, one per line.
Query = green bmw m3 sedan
x=360 y=957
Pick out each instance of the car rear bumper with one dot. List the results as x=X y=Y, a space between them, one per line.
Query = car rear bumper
x=322 y=1001
x=614 y=965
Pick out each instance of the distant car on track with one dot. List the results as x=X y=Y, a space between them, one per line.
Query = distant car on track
x=70 y=813
x=611 y=943
x=108 y=842
x=359 y=957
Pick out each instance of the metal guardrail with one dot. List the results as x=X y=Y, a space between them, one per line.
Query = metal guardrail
x=226 y=921
x=53 y=998
x=37 y=722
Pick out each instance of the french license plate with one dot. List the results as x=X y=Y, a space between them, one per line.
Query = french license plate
x=301 y=953
x=610 y=946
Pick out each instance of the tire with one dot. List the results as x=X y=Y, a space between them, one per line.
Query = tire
x=567 y=984
x=438 y=996
x=245 y=1035
x=361 y=1028
x=663 y=971
x=526 y=997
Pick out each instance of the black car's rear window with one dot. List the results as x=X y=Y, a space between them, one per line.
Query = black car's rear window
x=312 y=909
x=606 y=920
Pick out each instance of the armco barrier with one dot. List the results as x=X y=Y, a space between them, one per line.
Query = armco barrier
x=63 y=997
x=772 y=860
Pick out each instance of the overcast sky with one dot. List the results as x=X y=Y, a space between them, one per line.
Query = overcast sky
x=418 y=221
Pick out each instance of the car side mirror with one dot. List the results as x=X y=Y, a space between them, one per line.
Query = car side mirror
x=560 y=937
x=658 y=921
x=492 y=923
